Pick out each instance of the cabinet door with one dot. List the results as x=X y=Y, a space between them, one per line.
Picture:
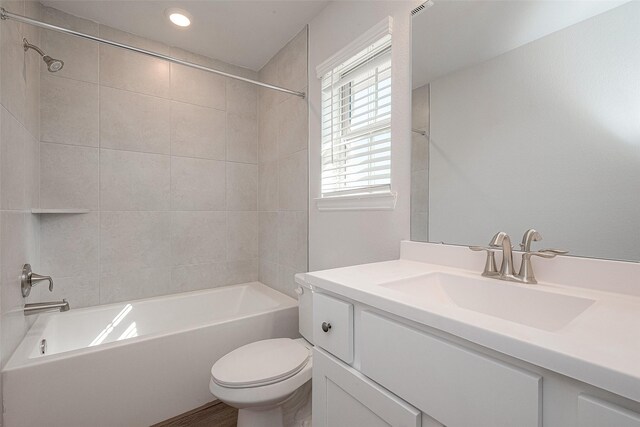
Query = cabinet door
x=343 y=397
x=455 y=385
x=594 y=412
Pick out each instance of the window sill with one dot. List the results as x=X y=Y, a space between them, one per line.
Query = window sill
x=360 y=202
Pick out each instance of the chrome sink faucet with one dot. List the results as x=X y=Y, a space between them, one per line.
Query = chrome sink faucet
x=501 y=241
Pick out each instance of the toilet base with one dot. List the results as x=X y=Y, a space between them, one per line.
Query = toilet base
x=254 y=417
x=295 y=411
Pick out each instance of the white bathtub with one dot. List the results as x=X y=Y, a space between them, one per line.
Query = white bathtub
x=136 y=363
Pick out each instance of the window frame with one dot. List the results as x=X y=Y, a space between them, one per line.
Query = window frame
x=364 y=200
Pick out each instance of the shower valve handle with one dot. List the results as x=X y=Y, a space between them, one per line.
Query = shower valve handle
x=29 y=279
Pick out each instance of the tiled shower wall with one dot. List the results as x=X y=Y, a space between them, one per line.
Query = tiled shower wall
x=163 y=156
x=19 y=159
x=420 y=164
x=283 y=193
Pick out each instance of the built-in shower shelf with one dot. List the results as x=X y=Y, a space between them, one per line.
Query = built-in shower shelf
x=59 y=211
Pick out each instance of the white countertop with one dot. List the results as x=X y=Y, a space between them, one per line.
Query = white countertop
x=600 y=347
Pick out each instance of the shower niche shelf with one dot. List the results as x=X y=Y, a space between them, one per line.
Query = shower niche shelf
x=59 y=211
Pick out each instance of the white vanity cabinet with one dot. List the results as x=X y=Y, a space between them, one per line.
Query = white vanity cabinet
x=375 y=369
x=452 y=384
x=343 y=397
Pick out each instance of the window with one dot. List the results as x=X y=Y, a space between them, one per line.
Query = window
x=356 y=119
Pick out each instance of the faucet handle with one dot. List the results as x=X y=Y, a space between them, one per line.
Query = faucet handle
x=29 y=279
x=490 y=267
x=555 y=251
x=526 y=268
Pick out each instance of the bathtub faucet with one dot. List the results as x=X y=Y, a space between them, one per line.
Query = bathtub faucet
x=39 y=307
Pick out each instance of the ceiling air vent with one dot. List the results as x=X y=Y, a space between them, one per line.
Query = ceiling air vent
x=422 y=7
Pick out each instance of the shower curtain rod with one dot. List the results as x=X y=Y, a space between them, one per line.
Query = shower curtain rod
x=4 y=15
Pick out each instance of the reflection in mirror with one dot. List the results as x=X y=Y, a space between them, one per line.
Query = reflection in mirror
x=526 y=114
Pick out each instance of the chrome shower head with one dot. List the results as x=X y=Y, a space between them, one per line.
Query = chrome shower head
x=53 y=65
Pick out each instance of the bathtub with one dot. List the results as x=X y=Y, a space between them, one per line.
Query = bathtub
x=139 y=362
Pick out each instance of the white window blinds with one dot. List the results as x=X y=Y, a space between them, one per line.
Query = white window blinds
x=356 y=123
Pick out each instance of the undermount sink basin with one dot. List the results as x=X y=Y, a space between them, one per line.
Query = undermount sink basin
x=515 y=302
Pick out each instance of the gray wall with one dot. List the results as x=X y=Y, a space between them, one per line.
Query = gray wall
x=163 y=156
x=283 y=192
x=544 y=136
x=19 y=172
x=341 y=238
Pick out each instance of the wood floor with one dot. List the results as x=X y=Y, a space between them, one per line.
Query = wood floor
x=215 y=414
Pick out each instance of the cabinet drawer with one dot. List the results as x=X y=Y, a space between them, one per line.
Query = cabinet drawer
x=594 y=412
x=343 y=397
x=456 y=386
x=333 y=326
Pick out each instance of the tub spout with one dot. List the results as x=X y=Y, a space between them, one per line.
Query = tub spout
x=39 y=307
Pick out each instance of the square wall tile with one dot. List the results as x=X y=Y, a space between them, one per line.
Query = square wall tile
x=118 y=286
x=185 y=278
x=268 y=273
x=292 y=64
x=32 y=64
x=242 y=271
x=135 y=122
x=198 y=87
x=81 y=57
x=269 y=74
x=242 y=182
x=293 y=131
x=70 y=244
x=12 y=67
x=13 y=143
x=198 y=131
x=69 y=177
x=268 y=136
x=134 y=181
x=286 y=280
x=292 y=239
x=242 y=98
x=242 y=236
x=32 y=176
x=134 y=240
x=14 y=252
x=81 y=291
x=268 y=236
x=131 y=71
x=242 y=140
x=198 y=237
x=293 y=182
x=69 y=111
x=268 y=186
x=197 y=184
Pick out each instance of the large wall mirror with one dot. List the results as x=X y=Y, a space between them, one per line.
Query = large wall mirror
x=526 y=114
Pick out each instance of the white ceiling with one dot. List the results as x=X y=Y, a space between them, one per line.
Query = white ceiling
x=451 y=34
x=245 y=33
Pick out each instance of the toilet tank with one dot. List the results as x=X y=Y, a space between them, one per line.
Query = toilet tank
x=305 y=307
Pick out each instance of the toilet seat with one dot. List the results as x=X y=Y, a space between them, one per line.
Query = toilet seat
x=260 y=363
x=264 y=395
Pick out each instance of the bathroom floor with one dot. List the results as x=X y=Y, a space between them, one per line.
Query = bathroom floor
x=212 y=414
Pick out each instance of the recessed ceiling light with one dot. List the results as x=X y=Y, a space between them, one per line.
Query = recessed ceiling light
x=179 y=17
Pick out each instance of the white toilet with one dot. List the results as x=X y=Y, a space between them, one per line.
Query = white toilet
x=269 y=380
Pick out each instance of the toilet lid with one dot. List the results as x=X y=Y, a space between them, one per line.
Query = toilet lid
x=260 y=363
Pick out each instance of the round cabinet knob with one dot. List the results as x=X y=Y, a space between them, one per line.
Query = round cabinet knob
x=326 y=326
